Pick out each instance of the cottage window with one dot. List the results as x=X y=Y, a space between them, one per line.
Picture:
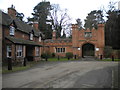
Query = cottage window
x=19 y=50
x=12 y=30
x=31 y=36
x=39 y=39
x=37 y=51
x=9 y=51
x=60 y=50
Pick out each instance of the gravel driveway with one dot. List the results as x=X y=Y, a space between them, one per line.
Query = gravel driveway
x=66 y=74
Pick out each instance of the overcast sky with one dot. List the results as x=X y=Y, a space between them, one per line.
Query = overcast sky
x=76 y=8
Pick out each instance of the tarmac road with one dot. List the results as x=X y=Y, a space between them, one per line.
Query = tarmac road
x=66 y=74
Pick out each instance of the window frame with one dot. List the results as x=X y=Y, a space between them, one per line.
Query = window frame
x=88 y=34
x=9 y=51
x=39 y=38
x=31 y=36
x=12 y=30
x=60 y=50
x=19 y=50
x=37 y=51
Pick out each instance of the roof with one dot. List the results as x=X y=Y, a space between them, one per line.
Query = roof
x=22 y=41
x=58 y=40
x=20 y=25
x=6 y=19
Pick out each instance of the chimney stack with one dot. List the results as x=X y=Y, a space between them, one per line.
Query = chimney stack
x=35 y=25
x=54 y=35
x=12 y=12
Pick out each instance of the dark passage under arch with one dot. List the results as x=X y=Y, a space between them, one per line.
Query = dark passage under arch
x=88 y=50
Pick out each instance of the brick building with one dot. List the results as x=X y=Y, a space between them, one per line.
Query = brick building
x=83 y=43
x=19 y=40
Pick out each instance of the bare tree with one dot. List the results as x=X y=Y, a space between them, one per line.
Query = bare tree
x=60 y=19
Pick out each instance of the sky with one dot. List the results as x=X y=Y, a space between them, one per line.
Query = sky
x=76 y=8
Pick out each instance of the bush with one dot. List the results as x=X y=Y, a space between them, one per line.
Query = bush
x=69 y=55
x=108 y=51
x=45 y=55
x=53 y=55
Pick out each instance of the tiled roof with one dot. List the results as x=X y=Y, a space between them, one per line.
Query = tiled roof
x=58 y=40
x=22 y=41
x=20 y=25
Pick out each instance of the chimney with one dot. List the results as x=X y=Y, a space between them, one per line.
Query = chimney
x=54 y=35
x=12 y=12
x=35 y=25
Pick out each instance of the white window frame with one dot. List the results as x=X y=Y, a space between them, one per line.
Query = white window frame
x=31 y=36
x=60 y=50
x=39 y=38
x=9 y=50
x=12 y=31
x=88 y=34
x=19 y=50
x=37 y=51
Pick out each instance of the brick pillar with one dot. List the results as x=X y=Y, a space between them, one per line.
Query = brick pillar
x=54 y=35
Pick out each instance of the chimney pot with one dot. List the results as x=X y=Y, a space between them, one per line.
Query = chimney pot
x=12 y=12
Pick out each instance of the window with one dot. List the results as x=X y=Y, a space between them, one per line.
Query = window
x=9 y=51
x=31 y=36
x=39 y=38
x=37 y=51
x=60 y=50
x=88 y=34
x=19 y=50
x=12 y=30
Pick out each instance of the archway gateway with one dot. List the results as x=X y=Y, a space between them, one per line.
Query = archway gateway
x=88 y=50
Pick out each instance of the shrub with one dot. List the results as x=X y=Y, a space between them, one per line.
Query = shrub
x=45 y=55
x=69 y=55
x=53 y=55
x=108 y=51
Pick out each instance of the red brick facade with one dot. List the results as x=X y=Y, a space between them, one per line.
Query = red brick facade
x=20 y=44
x=75 y=45
x=32 y=49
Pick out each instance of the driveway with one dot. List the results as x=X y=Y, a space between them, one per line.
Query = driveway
x=66 y=74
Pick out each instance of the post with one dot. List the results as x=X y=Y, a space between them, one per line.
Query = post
x=46 y=59
x=58 y=57
x=112 y=58
x=9 y=64
x=101 y=57
x=75 y=56
x=24 y=62
x=68 y=58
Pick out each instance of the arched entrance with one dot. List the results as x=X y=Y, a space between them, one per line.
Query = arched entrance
x=88 y=50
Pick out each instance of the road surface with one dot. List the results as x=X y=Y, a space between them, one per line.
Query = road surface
x=65 y=74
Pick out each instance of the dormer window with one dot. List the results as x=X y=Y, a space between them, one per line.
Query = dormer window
x=31 y=36
x=12 y=30
x=39 y=38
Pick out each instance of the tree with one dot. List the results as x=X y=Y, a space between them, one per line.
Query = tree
x=64 y=35
x=59 y=19
x=20 y=16
x=41 y=12
x=93 y=19
x=112 y=27
x=79 y=22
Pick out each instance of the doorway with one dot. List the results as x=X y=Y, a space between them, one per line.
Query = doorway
x=88 y=50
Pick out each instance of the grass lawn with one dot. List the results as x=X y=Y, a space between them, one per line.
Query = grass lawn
x=109 y=60
x=29 y=65
x=19 y=68
x=61 y=59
